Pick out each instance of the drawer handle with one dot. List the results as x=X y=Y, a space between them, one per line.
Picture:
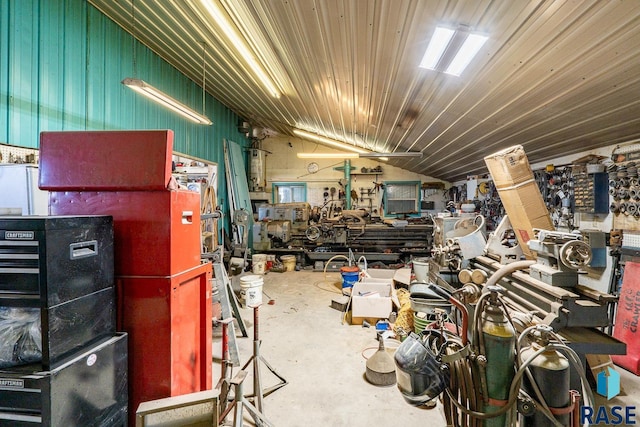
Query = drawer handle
x=187 y=217
x=83 y=249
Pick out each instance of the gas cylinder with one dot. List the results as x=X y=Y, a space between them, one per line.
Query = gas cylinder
x=550 y=370
x=499 y=350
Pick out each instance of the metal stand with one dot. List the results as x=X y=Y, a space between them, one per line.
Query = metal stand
x=228 y=305
x=240 y=402
x=258 y=392
x=226 y=372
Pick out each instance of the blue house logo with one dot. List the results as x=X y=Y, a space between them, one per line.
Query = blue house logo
x=608 y=383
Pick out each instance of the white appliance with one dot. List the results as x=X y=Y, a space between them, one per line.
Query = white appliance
x=19 y=192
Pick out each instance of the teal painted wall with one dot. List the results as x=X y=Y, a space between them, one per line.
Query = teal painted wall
x=61 y=64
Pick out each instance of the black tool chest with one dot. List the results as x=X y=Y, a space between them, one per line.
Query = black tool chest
x=57 y=323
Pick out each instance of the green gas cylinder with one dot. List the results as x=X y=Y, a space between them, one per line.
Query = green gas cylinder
x=499 y=345
x=550 y=370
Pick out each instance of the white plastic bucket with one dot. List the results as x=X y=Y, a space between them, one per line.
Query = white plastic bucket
x=251 y=290
x=259 y=263
x=421 y=269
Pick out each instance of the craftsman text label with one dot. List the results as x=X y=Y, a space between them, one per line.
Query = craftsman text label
x=11 y=383
x=19 y=235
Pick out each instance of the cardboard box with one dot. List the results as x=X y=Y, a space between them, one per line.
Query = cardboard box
x=526 y=210
x=371 y=299
x=381 y=273
x=519 y=194
x=403 y=276
x=509 y=167
x=400 y=275
x=371 y=321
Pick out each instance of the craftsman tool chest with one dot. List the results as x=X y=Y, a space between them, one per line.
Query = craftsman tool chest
x=56 y=275
x=88 y=389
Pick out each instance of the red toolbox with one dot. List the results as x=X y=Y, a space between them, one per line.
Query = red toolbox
x=163 y=291
x=105 y=160
x=156 y=233
x=168 y=320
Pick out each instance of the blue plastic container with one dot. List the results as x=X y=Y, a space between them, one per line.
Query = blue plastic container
x=350 y=276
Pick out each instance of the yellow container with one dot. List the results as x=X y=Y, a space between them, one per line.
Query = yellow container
x=289 y=262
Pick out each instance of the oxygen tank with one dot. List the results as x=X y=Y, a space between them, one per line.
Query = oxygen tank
x=499 y=349
x=550 y=371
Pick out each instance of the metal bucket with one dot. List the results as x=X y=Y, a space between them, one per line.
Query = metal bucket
x=471 y=241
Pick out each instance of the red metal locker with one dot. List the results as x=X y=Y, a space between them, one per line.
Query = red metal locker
x=168 y=320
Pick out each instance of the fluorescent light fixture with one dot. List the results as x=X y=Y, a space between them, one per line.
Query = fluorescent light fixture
x=451 y=51
x=355 y=152
x=328 y=155
x=381 y=156
x=240 y=45
x=469 y=49
x=327 y=141
x=437 y=45
x=165 y=100
x=396 y=154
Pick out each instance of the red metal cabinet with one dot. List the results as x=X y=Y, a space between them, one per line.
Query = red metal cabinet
x=164 y=293
x=156 y=233
x=168 y=320
x=105 y=160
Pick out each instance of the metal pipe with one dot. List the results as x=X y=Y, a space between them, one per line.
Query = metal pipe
x=465 y=318
x=347 y=187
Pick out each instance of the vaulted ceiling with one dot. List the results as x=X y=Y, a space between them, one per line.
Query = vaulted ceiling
x=557 y=77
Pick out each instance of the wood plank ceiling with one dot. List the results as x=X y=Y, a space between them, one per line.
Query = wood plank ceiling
x=557 y=77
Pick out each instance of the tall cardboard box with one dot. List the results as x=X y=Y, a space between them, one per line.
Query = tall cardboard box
x=520 y=195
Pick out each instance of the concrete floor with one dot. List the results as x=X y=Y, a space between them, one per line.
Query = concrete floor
x=323 y=361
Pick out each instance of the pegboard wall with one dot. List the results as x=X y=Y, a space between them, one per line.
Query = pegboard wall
x=14 y=154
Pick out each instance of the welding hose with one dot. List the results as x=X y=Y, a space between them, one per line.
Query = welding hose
x=493 y=280
x=544 y=408
x=324 y=271
x=571 y=355
x=573 y=359
x=513 y=391
x=461 y=388
x=477 y=337
x=506 y=269
x=446 y=295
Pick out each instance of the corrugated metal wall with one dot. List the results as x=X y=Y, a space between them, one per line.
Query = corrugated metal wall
x=61 y=64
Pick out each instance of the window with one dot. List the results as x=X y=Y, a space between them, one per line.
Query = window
x=401 y=198
x=289 y=192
